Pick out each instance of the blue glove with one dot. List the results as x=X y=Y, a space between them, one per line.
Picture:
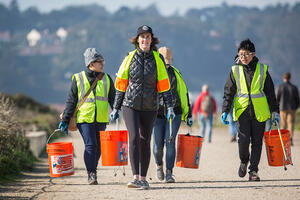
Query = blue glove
x=275 y=117
x=224 y=117
x=114 y=115
x=189 y=121
x=63 y=127
x=170 y=114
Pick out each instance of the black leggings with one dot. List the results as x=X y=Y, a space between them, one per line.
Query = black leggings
x=139 y=125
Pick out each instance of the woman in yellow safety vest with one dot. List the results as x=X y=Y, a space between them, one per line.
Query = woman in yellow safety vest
x=141 y=77
x=249 y=87
x=92 y=115
x=161 y=130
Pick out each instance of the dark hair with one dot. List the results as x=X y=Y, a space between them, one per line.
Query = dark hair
x=246 y=45
x=287 y=76
x=153 y=46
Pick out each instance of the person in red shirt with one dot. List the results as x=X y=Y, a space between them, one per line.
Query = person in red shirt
x=206 y=105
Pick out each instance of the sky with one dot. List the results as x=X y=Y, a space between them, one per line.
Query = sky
x=166 y=7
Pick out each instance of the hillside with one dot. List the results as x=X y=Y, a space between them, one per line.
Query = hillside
x=203 y=42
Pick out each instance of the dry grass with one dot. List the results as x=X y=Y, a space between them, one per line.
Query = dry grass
x=9 y=124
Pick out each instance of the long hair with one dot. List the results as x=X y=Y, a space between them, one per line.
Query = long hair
x=153 y=46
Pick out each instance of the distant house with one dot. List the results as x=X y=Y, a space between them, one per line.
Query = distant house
x=44 y=42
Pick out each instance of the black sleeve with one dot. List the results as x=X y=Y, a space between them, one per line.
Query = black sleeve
x=118 y=99
x=270 y=94
x=111 y=93
x=296 y=92
x=229 y=92
x=71 y=102
x=168 y=99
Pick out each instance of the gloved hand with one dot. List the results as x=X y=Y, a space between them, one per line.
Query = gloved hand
x=170 y=114
x=189 y=121
x=224 y=117
x=114 y=115
x=63 y=126
x=275 y=117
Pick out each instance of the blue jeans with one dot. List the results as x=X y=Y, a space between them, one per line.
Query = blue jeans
x=161 y=133
x=205 y=125
x=91 y=137
x=232 y=125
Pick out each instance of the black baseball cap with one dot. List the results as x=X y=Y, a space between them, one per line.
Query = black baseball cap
x=144 y=29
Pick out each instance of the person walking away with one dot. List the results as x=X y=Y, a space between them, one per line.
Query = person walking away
x=161 y=130
x=92 y=115
x=250 y=88
x=288 y=99
x=206 y=105
x=142 y=76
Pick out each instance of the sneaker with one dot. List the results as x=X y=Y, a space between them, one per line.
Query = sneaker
x=92 y=178
x=243 y=169
x=160 y=173
x=169 y=176
x=144 y=185
x=253 y=176
x=134 y=184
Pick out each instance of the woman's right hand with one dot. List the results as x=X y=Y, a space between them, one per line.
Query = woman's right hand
x=114 y=115
x=63 y=127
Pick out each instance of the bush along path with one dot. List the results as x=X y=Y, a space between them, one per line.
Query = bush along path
x=15 y=155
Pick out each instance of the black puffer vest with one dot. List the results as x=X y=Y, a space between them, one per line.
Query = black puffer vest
x=141 y=93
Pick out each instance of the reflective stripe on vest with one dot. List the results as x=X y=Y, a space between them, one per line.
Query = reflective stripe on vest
x=182 y=93
x=257 y=95
x=93 y=103
x=163 y=83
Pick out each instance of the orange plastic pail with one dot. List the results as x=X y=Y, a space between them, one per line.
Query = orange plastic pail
x=274 y=148
x=61 y=160
x=114 y=147
x=188 y=151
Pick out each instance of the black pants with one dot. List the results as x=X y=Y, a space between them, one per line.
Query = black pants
x=250 y=131
x=139 y=125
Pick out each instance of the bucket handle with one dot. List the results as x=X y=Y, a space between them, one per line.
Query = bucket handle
x=117 y=123
x=56 y=130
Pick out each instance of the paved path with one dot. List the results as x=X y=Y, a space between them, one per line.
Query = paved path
x=216 y=178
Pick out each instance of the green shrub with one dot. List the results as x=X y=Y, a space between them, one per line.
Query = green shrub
x=15 y=155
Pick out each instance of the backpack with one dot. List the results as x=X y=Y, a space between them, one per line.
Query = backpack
x=207 y=104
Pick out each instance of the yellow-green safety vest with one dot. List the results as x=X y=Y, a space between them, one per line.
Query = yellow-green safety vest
x=182 y=93
x=258 y=97
x=163 y=83
x=87 y=111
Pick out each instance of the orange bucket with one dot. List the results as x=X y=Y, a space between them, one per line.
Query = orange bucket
x=114 y=147
x=188 y=151
x=61 y=160
x=274 y=148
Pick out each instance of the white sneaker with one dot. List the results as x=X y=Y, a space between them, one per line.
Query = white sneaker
x=134 y=184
